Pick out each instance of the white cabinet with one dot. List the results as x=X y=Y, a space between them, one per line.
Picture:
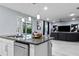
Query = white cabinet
x=44 y=49
x=6 y=47
x=11 y=48
x=3 y=48
x=20 y=49
x=0 y=49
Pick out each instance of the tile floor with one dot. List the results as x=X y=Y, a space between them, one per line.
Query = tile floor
x=64 y=48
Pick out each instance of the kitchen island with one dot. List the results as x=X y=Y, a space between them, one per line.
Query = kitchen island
x=12 y=45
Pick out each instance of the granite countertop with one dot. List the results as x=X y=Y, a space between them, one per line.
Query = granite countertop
x=28 y=41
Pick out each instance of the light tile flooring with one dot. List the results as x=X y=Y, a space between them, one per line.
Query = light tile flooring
x=65 y=48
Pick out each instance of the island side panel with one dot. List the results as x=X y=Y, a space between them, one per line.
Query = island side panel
x=39 y=50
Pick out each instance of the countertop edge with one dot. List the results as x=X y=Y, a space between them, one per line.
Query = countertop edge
x=5 y=37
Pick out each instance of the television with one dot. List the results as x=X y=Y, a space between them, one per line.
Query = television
x=64 y=28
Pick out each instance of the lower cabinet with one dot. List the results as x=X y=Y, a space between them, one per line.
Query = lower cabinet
x=6 y=47
x=20 y=49
x=44 y=49
x=12 y=48
x=3 y=49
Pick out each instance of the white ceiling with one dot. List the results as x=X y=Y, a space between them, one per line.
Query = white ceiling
x=55 y=10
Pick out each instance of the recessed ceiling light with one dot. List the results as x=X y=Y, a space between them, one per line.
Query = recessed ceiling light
x=45 y=8
x=29 y=18
x=73 y=19
x=47 y=18
x=38 y=16
x=72 y=14
x=23 y=20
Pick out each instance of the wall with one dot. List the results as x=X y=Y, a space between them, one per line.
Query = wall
x=8 y=20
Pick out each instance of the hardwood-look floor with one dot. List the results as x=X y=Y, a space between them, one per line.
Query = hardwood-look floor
x=64 y=48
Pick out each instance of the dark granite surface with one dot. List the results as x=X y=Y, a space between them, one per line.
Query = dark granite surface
x=28 y=41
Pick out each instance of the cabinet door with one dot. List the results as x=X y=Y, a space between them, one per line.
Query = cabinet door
x=0 y=48
x=10 y=47
x=4 y=49
x=10 y=50
x=44 y=49
x=41 y=50
x=20 y=51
